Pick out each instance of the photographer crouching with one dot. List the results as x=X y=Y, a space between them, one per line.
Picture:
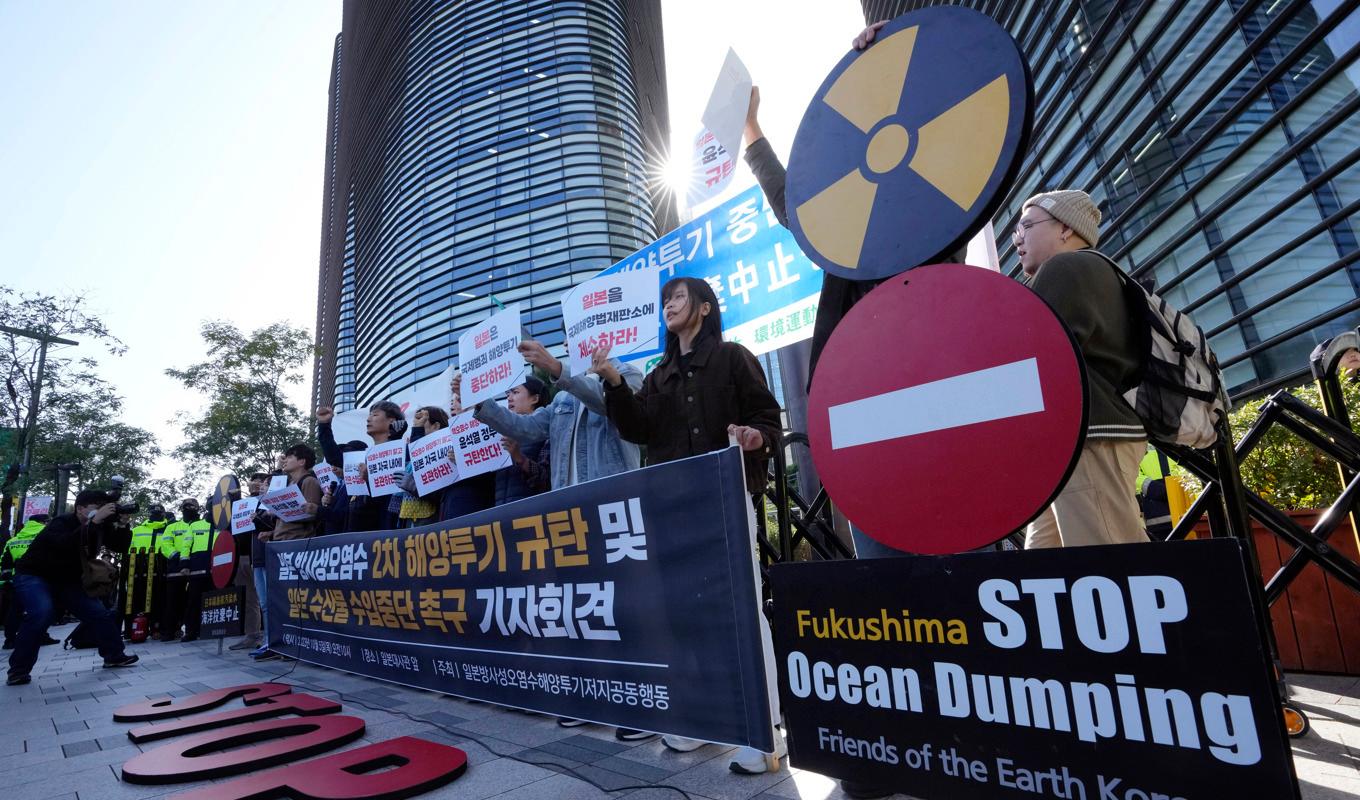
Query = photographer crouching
x=54 y=569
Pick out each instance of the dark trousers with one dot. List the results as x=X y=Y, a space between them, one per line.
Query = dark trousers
x=38 y=596
x=159 y=591
x=176 y=597
x=193 y=605
x=14 y=612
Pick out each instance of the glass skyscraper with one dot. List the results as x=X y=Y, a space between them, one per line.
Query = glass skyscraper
x=479 y=153
x=1220 y=139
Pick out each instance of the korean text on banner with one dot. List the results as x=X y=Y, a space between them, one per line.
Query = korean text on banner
x=355 y=485
x=580 y=602
x=325 y=474
x=37 y=504
x=430 y=462
x=386 y=465
x=476 y=448
x=621 y=310
x=243 y=514
x=488 y=357
x=287 y=504
x=767 y=289
x=725 y=113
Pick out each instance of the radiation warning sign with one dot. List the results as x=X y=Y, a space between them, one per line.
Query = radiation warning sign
x=909 y=145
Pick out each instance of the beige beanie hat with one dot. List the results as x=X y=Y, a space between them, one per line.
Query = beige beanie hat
x=1073 y=208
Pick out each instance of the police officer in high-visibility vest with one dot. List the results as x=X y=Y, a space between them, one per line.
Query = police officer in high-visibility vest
x=14 y=549
x=195 y=554
x=163 y=549
x=138 y=567
x=177 y=569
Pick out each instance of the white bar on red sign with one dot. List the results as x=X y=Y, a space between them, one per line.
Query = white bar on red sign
x=430 y=462
x=287 y=504
x=477 y=448
x=621 y=309
x=489 y=358
x=355 y=485
x=243 y=514
x=1009 y=390
x=386 y=465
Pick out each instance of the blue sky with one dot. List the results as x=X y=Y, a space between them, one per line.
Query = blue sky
x=165 y=158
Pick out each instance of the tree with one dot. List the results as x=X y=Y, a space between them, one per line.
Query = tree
x=79 y=426
x=62 y=317
x=248 y=419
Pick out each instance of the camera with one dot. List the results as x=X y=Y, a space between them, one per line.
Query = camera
x=116 y=493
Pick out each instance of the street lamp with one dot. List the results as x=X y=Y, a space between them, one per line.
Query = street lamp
x=31 y=424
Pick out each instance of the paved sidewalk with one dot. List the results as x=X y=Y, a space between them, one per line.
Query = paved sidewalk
x=58 y=738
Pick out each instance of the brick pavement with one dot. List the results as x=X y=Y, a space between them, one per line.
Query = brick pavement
x=58 y=738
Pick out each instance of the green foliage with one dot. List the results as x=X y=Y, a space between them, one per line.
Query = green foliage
x=248 y=419
x=1283 y=469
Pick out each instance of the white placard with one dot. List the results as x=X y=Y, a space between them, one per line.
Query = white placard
x=488 y=357
x=710 y=169
x=429 y=463
x=287 y=504
x=325 y=473
x=37 y=504
x=355 y=485
x=243 y=514
x=621 y=309
x=725 y=113
x=386 y=465
x=277 y=482
x=476 y=447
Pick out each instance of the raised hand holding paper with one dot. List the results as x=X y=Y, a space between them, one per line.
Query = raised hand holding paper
x=620 y=309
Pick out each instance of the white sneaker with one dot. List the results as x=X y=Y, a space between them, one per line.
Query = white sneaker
x=680 y=744
x=750 y=761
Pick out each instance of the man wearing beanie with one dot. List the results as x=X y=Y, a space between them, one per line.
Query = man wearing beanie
x=1055 y=240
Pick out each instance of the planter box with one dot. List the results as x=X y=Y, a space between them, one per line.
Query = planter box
x=1317 y=621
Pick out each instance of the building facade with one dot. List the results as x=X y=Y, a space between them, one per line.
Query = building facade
x=479 y=152
x=1220 y=139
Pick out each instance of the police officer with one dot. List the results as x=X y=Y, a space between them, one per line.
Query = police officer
x=13 y=551
x=163 y=550
x=195 y=552
x=181 y=543
x=139 y=567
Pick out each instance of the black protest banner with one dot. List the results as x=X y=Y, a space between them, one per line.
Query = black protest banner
x=1131 y=672
x=630 y=600
x=221 y=613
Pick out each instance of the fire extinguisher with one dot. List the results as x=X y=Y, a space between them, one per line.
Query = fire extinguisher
x=140 y=628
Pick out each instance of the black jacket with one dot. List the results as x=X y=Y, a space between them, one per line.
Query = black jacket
x=684 y=410
x=55 y=554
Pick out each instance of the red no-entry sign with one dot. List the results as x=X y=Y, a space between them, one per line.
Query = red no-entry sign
x=947 y=410
x=223 y=558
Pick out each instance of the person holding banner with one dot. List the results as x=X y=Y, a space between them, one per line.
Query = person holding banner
x=703 y=393
x=335 y=504
x=386 y=423
x=251 y=563
x=512 y=482
x=415 y=508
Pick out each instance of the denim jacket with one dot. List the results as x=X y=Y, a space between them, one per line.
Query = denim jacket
x=599 y=451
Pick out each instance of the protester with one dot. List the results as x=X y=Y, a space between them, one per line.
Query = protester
x=1054 y=239
x=252 y=624
x=264 y=523
x=704 y=390
x=513 y=482
x=417 y=509
x=468 y=495
x=386 y=422
x=297 y=463
x=583 y=443
x=335 y=503
x=51 y=571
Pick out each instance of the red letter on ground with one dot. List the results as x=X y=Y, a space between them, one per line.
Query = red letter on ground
x=199 y=757
x=249 y=693
x=304 y=705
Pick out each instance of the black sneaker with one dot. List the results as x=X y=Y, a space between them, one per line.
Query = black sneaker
x=631 y=735
x=121 y=661
x=18 y=680
x=9 y=644
x=568 y=722
x=48 y=640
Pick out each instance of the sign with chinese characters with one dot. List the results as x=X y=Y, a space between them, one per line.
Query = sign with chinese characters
x=355 y=484
x=621 y=310
x=288 y=504
x=476 y=448
x=386 y=464
x=630 y=600
x=488 y=357
x=430 y=462
x=221 y=614
x=1122 y=671
x=767 y=289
